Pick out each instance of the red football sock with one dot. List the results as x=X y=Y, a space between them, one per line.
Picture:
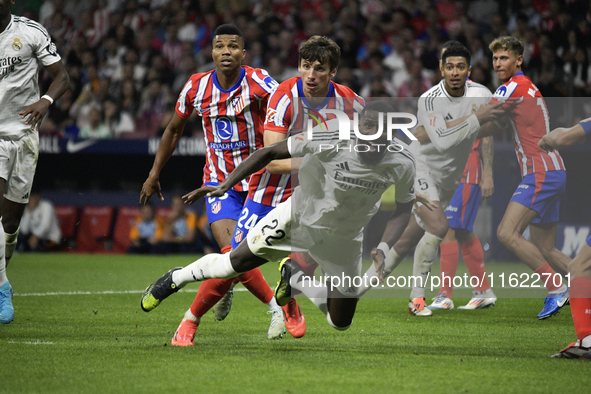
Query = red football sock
x=450 y=254
x=547 y=270
x=209 y=293
x=254 y=281
x=307 y=268
x=580 y=306
x=474 y=259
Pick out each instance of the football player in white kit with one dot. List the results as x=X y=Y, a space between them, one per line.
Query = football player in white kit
x=24 y=44
x=339 y=192
x=451 y=114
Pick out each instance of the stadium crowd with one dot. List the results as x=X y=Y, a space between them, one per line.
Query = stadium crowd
x=128 y=60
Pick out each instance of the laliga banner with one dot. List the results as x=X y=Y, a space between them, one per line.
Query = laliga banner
x=55 y=145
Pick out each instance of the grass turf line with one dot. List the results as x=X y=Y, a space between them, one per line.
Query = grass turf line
x=91 y=343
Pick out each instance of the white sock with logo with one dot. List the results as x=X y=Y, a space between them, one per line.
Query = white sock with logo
x=3 y=277
x=10 y=245
x=315 y=290
x=213 y=265
x=425 y=254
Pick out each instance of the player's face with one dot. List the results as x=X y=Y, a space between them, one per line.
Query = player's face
x=228 y=52
x=455 y=71
x=315 y=77
x=5 y=6
x=506 y=64
x=368 y=125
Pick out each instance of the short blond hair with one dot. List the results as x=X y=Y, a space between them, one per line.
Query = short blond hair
x=507 y=43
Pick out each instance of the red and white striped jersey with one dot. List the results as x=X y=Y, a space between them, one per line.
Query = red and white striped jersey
x=529 y=123
x=473 y=171
x=288 y=113
x=232 y=119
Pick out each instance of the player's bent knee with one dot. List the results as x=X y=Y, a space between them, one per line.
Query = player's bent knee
x=243 y=259
x=340 y=327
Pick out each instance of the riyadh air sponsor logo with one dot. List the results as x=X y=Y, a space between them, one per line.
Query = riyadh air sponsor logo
x=76 y=146
x=227 y=145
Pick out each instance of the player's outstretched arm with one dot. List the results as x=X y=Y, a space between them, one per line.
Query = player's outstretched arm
x=253 y=163
x=394 y=229
x=563 y=137
x=166 y=147
x=445 y=135
x=487 y=184
x=61 y=82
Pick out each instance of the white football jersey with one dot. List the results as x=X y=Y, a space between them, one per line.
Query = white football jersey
x=447 y=153
x=338 y=191
x=23 y=45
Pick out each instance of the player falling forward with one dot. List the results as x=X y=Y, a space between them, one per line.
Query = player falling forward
x=288 y=112
x=24 y=44
x=232 y=101
x=536 y=200
x=477 y=183
x=451 y=114
x=580 y=267
x=328 y=216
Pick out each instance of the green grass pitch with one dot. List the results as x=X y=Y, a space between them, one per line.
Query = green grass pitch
x=79 y=329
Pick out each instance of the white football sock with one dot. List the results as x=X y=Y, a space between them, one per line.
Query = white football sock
x=213 y=265
x=190 y=316
x=425 y=254
x=10 y=245
x=561 y=289
x=3 y=277
x=273 y=304
x=315 y=290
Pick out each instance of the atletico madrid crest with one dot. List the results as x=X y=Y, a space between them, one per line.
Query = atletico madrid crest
x=216 y=206
x=238 y=236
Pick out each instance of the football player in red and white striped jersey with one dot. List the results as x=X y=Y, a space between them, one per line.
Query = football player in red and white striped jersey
x=232 y=101
x=287 y=114
x=536 y=200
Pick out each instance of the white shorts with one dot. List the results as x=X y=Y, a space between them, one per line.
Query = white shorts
x=425 y=184
x=18 y=161
x=275 y=236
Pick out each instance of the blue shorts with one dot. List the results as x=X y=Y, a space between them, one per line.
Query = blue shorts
x=249 y=217
x=227 y=206
x=589 y=240
x=541 y=192
x=463 y=207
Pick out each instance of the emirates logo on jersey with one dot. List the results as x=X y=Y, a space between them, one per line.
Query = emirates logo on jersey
x=17 y=45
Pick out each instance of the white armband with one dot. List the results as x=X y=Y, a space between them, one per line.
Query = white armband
x=389 y=260
x=48 y=98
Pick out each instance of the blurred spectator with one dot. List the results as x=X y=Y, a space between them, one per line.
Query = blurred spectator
x=97 y=127
x=39 y=228
x=180 y=233
x=106 y=44
x=417 y=84
x=146 y=232
x=549 y=75
x=279 y=72
x=119 y=122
